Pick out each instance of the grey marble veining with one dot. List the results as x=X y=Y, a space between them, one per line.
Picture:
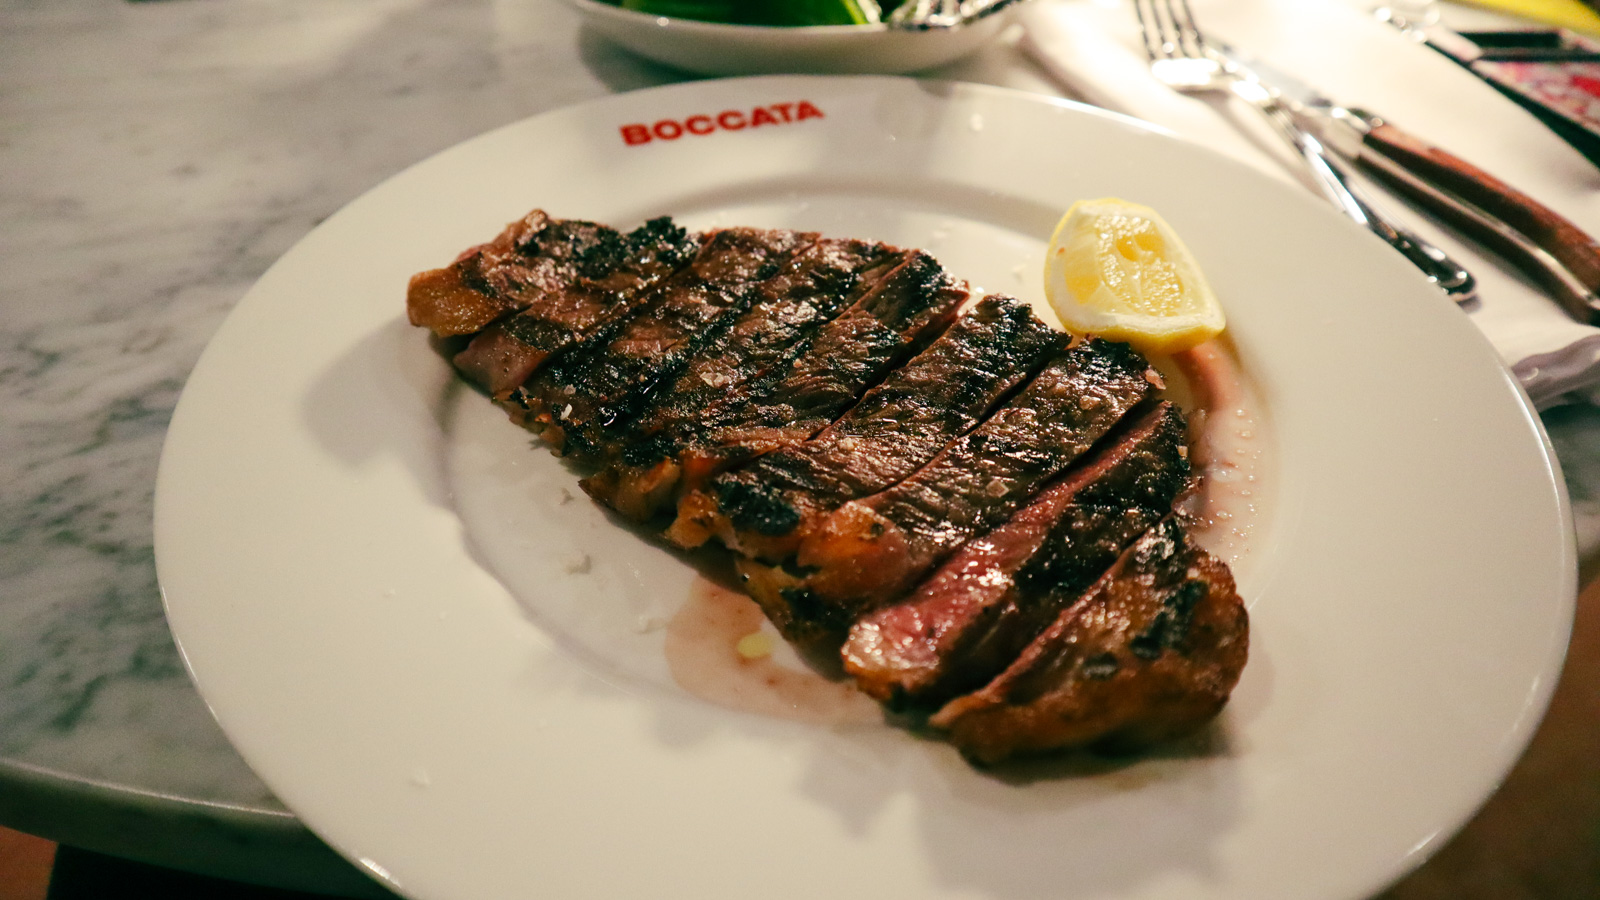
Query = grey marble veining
x=155 y=159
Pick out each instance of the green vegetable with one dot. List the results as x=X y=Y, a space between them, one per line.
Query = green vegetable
x=761 y=12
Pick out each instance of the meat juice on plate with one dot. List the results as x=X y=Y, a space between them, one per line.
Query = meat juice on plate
x=1229 y=450
x=718 y=650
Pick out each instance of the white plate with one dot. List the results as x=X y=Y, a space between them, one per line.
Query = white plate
x=332 y=506
x=716 y=49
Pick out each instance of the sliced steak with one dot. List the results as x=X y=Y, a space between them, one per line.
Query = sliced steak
x=821 y=407
x=781 y=324
x=575 y=400
x=576 y=294
x=538 y=262
x=1149 y=653
x=988 y=600
x=877 y=548
x=892 y=322
x=769 y=507
x=484 y=283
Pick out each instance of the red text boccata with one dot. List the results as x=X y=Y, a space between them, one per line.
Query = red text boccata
x=727 y=120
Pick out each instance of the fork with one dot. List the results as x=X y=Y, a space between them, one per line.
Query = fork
x=1181 y=59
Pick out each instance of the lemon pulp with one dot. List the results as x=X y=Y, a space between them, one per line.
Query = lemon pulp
x=1118 y=270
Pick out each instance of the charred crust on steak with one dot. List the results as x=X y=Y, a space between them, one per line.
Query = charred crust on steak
x=540 y=288
x=756 y=508
x=1170 y=678
x=583 y=396
x=658 y=239
x=900 y=424
x=879 y=546
x=647 y=451
x=1171 y=625
x=660 y=442
x=969 y=618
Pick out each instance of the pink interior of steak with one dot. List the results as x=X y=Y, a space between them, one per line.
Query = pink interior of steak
x=963 y=624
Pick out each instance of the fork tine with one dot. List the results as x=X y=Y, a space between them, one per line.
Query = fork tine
x=1149 y=29
x=1189 y=36
x=1165 y=30
x=1164 y=34
x=1169 y=30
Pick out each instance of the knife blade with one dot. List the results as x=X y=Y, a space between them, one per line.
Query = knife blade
x=1536 y=239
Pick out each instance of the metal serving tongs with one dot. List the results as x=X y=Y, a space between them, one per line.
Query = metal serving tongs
x=1537 y=240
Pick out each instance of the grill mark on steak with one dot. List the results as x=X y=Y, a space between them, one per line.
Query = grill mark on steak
x=892 y=322
x=608 y=279
x=768 y=508
x=641 y=476
x=1149 y=653
x=579 y=397
x=895 y=427
x=536 y=262
x=875 y=549
x=967 y=621
x=902 y=315
x=496 y=278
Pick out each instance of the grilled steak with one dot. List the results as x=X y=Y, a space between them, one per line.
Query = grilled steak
x=880 y=546
x=821 y=408
x=563 y=276
x=640 y=476
x=995 y=594
x=770 y=505
x=603 y=384
x=1147 y=654
x=912 y=304
x=533 y=254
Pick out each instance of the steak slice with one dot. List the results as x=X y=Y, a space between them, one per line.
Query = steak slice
x=987 y=601
x=769 y=507
x=877 y=548
x=574 y=296
x=537 y=262
x=892 y=322
x=827 y=277
x=1149 y=653
x=492 y=280
x=575 y=400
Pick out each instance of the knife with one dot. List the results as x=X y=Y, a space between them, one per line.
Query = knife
x=1536 y=239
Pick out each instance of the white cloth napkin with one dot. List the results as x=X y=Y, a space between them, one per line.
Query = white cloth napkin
x=1093 y=48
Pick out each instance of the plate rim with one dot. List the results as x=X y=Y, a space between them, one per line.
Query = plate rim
x=1538 y=697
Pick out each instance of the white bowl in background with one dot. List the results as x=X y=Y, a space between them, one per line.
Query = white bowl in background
x=710 y=48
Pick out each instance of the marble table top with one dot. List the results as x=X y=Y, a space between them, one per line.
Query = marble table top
x=155 y=158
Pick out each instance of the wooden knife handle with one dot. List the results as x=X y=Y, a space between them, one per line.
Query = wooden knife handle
x=1575 y=250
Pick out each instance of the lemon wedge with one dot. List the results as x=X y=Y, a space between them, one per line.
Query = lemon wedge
x=1118 y=270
